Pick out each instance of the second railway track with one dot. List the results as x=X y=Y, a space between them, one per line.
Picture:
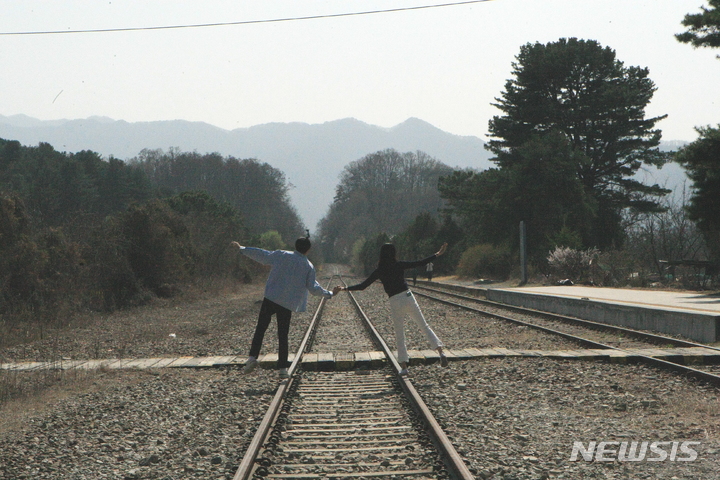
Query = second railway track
x=584 y=332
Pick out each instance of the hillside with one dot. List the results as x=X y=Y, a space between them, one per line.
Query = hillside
x=312 y=156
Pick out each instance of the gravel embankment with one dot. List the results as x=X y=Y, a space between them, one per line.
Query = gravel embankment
x=518 y=418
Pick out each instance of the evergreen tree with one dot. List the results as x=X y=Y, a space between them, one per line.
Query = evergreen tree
x=578 y=89
x=703 y=28
x=701 y=160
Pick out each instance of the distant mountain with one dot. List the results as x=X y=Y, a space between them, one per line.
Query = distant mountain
x=311 y=156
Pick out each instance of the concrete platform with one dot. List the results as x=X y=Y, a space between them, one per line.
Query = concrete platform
x=693 y=315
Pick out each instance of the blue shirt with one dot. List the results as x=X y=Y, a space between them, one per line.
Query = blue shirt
x=291 y=277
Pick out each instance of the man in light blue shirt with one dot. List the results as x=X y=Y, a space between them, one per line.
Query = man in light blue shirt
x=291 y=277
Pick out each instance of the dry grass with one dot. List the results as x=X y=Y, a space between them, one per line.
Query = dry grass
x=696 y=409
x=30 y=326
x=35 y=392
x=23 y=392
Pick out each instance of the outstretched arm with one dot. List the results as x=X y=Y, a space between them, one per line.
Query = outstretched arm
x=362 y=286
x=315 y=288
x=424 y=261
x=257 y=254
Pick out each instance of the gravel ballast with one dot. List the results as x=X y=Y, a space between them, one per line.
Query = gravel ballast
x=142 y=424
x=519 y=418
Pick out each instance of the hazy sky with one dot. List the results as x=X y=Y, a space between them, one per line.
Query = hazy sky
x=443 y=65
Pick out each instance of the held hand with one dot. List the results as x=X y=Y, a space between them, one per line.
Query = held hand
x=235 y=244
x=337 y=289
x=442 y=249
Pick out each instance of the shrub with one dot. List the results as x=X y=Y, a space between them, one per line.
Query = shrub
x=158 y=246
x=38 y=273
x=114 y=284
x=576 y=265
x=485 y=260
x=617 y=268
x=271 y=240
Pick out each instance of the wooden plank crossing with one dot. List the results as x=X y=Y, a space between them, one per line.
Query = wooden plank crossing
x=373 y=359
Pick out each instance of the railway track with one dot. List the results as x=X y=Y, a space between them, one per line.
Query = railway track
x=369 y=424
x=594 y=334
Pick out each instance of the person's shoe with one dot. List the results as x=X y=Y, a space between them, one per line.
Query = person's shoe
x=443 y=360
x=404 y=372
x=283 y=373
x=250 y=365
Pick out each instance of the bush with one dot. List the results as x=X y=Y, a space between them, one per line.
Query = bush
x=271 y=240
x=36 y=274
x=149 y=249
x=158 y=246
x=617 y=268
x=485 y=261
x=576 y=265
x=114 y=284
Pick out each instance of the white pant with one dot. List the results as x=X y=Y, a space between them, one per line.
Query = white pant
x=404 y=304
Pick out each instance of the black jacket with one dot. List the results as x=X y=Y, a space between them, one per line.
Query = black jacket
x=392 y=276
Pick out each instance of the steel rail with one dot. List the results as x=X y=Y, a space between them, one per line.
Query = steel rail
x=452 y=459
x=248 y=462
x=568 y=336
x=664 y=364
x=647 y=336
x=252 y=461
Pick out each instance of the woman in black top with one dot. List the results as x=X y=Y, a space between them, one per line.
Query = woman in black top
x=402 y=302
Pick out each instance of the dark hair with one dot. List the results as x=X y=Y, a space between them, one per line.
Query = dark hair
x=387 y=254
x=302 y=245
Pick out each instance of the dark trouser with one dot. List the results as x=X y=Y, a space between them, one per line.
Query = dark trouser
x=267 y=310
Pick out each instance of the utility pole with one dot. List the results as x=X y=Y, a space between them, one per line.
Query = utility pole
x=523 y=254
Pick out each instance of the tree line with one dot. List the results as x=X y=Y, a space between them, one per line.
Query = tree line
x=379 y=193
x=257 y=190
x=78 y=231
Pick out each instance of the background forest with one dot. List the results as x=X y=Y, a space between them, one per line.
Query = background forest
x=81 y=232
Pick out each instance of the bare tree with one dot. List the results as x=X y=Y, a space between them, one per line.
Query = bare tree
x=659 y=237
